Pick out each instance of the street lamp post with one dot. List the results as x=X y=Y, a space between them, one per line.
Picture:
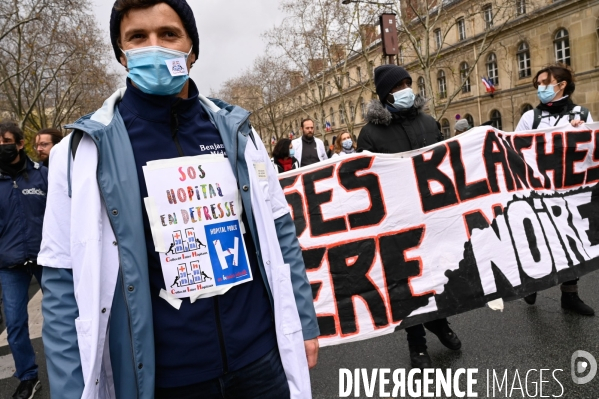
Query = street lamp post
x=388 y=30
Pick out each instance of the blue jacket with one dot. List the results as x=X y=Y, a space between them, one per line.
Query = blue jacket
x=131 y=333
x=22 y=205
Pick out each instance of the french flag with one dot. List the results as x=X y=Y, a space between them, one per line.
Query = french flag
x=489 y=87
x=327 y=126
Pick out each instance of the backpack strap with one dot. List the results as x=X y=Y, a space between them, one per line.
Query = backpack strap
x=77 y=136
x=582 y=111
x=536 y=118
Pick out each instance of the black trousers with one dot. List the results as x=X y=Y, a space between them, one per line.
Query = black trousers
x=417 y=333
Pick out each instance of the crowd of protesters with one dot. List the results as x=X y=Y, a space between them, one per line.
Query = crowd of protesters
x=154 y=348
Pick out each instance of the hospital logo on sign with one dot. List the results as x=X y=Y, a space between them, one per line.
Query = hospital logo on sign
x=227 y=252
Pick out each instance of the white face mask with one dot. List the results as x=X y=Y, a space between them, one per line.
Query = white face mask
x=403 y=99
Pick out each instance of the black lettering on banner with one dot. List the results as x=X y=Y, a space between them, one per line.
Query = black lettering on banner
x=520 y=143
x=590 y=211
x=319 y=226
x=313 y=258
x=553 y=161
x=370 y=182
x=294 y=200
x=398 y=271
x=493 y=154
x=572 y=178
x=517 y=165
x=350 y=280
x=475 y=220
x=465 y=190
x=593 y=173
x=427 y=171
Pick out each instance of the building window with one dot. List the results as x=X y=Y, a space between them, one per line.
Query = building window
x=525 y=109
x=352 y=113
x=362 y=108
x=401 y=58
x=496 y=119
x=492 y=70
x=461 y=29
x=332 y=113
x=520 y=7
x=562 y=47
x=488 y=16
x=465 y=77
x=523 y=60
x=422 y=87
x=438 y=38
x=341 y=115
x=359 y=73
x=419 y=45
x=442 y=84
x=445 y=128
x=347 y=79
x=470 y=120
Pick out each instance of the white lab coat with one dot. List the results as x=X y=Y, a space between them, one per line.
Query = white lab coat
x=320 y=150
x=77 y=235
x=527 y=120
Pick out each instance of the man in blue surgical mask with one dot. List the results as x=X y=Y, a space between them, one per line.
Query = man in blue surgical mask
x=114 y=325
x=396 y=123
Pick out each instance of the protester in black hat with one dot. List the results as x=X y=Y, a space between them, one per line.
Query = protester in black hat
x=123 y=316
x=396 y=123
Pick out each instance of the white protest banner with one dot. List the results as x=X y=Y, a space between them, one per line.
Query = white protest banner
x=194 y=210
x=391 y=241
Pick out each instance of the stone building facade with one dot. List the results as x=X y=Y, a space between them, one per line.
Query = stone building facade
x=533 y=33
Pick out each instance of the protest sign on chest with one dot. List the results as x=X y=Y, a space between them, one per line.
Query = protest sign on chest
x=194 y=209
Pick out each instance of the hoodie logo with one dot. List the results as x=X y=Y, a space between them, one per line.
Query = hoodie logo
x=33 y=191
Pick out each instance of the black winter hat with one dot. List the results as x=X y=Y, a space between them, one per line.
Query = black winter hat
x=180 y=6
x=386 y=77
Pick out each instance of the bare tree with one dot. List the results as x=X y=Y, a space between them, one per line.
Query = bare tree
x=425 y=31
x=320 y=39
x=261 y=90
x=55 y=66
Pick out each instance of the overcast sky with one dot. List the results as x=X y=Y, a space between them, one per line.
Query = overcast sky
x=229 y=36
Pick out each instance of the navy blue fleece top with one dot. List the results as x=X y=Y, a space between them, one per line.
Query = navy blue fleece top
x=205 y=339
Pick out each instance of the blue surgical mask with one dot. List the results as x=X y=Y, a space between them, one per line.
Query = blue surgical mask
x=291 y=152
x=157 y=70
x=347 y=144
x=546 y=93
x=403 y=99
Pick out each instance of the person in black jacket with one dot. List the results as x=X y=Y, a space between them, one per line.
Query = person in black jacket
x=403 y=127
x=23 y=189
x=396 y=123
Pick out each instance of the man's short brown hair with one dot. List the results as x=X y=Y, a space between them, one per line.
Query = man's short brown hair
x=306 y=120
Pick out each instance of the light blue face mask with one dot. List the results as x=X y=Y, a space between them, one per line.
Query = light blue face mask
x=157 y=70
x=347 y=144
x=546 y=93
x=403 y=99
x=291 y=152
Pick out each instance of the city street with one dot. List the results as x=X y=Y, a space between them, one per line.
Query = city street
x=521 y=338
